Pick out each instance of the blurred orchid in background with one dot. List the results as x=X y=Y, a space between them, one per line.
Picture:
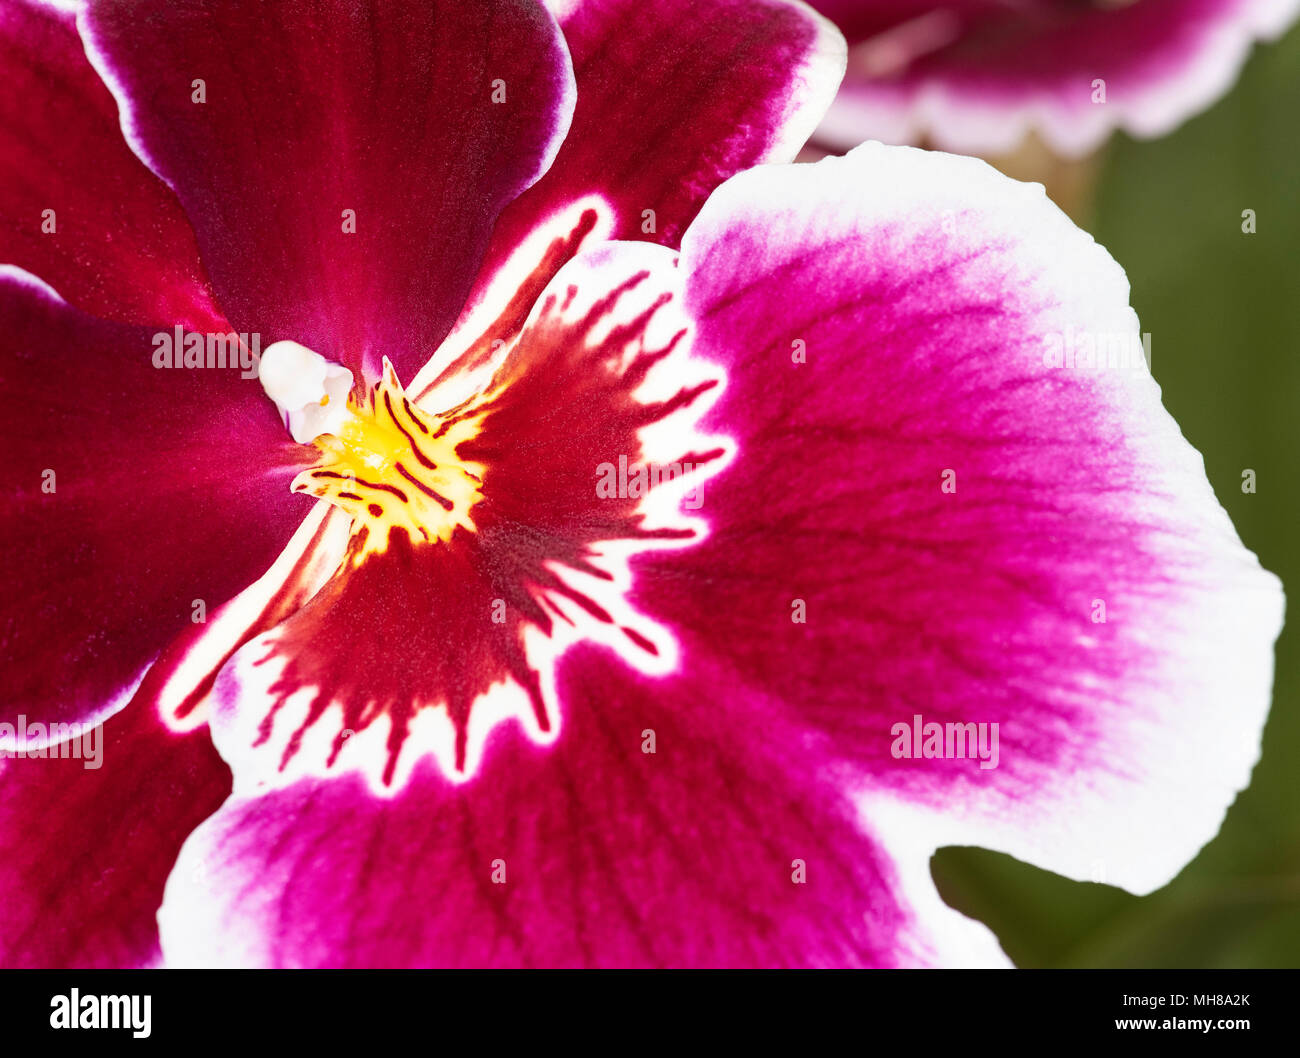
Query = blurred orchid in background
x=974 y=76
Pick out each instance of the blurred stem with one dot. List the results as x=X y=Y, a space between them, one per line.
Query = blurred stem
x=1071 y=182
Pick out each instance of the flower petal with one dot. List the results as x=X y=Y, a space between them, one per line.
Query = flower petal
x=937 y=509
x=342 y=163
x=423 y=647
x=87 y=842
x=77 y=208
x=593 y=853
x=138 y=500
x=673 y=98
x=179 y=682
x=974 y=77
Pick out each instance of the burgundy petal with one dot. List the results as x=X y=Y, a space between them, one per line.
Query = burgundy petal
x=346 y=162
x=644 y=838
x=179 y=682
x=77 y=208
x=87 y=841
x=137 y=501
x=673 y=98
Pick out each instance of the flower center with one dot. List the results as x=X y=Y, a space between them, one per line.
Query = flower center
x=388 y=464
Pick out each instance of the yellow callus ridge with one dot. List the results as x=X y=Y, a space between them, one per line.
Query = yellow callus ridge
x=394 y=467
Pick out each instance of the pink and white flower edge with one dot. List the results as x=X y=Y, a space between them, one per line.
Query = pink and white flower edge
x=975 y=79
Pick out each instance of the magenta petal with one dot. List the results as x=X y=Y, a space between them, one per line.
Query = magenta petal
x=944 y=504
x=77 y=207
x=591 y=853
x=349 y=160
x=975 y=76
x=86 y=843
x=137 y=501
x=637 y=820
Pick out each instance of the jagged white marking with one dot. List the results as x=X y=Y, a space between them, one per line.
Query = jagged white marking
x=257 y=762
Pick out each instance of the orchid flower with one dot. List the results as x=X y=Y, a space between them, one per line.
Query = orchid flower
x=975 y=76
x=619 y=529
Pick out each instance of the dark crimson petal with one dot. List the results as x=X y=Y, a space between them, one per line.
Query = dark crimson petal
x=976 y=75
x=87 y=841
x=130 y=492
x=592 y=853
x=180 y=681
x=317 y=107
x=673 y=98
x=82 y=888
x=117 y=243
x=956 y=495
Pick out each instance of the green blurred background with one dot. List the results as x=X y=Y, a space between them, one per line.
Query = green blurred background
x=1223 y=309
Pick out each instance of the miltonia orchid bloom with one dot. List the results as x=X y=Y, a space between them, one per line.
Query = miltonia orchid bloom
x=975 y=75
x=676 y=489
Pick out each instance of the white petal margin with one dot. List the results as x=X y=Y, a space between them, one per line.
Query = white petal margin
x=1179 y=746
x=952 y=118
